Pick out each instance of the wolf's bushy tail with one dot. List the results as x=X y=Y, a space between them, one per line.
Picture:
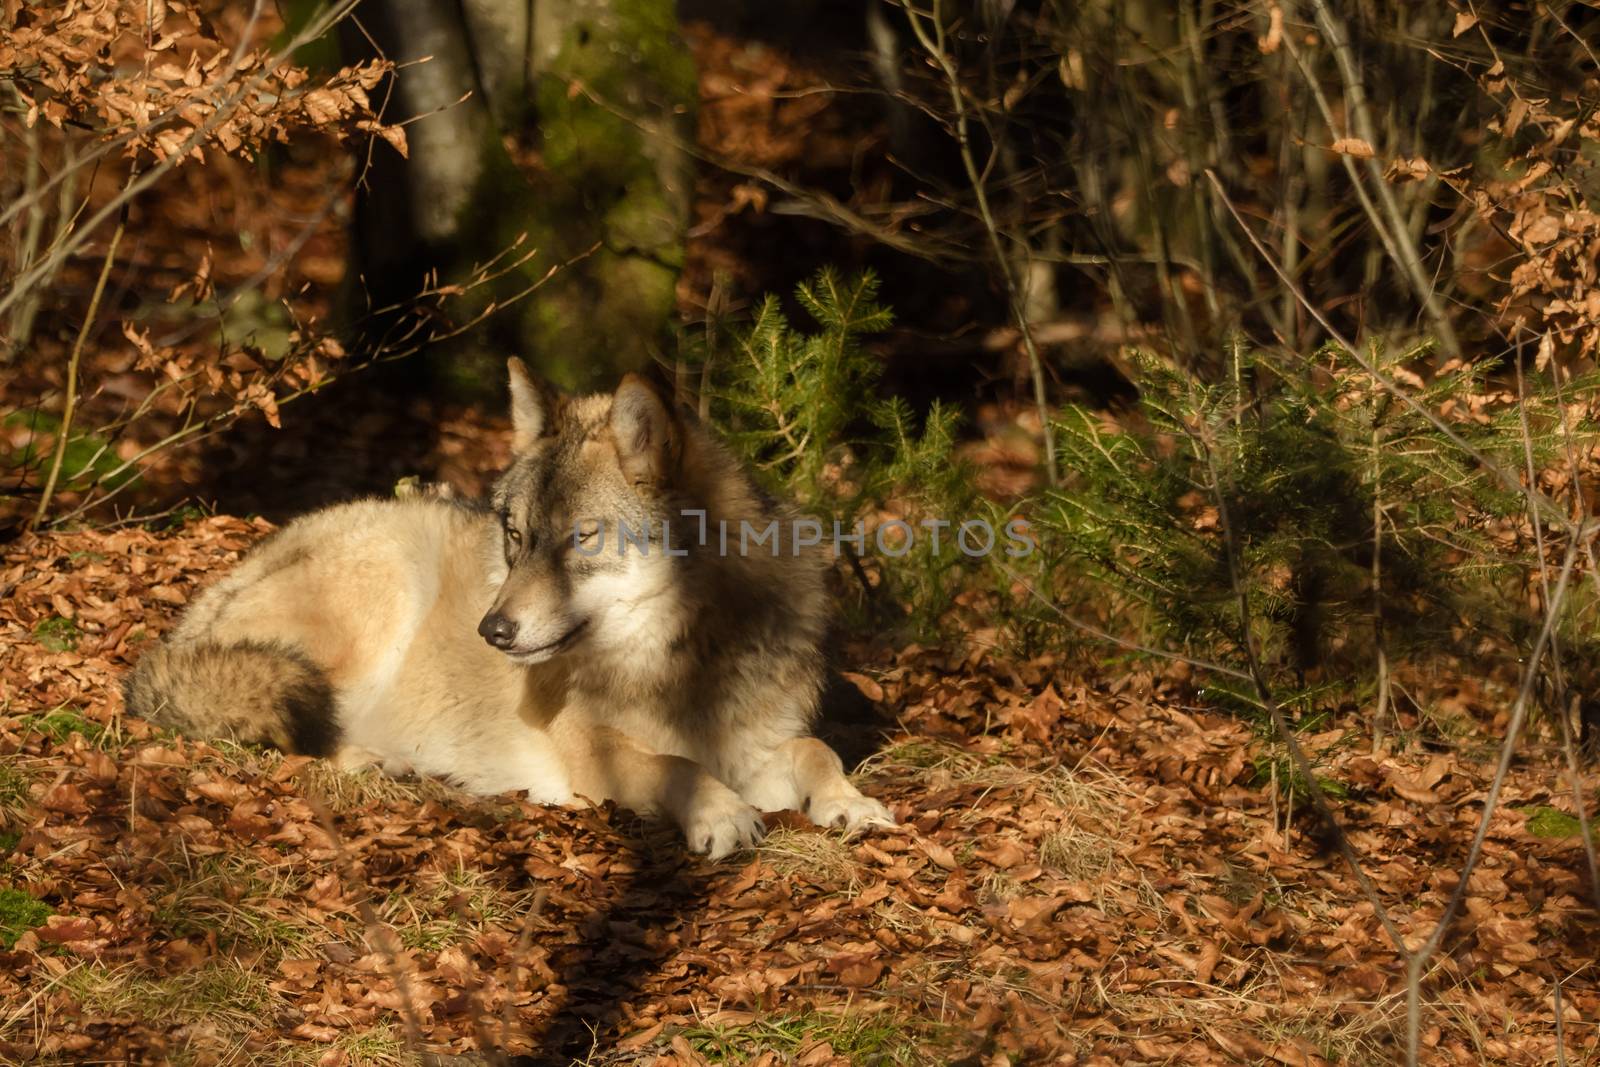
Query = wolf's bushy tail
x=254 y=691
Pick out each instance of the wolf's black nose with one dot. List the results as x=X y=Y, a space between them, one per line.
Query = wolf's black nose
x=498 y=630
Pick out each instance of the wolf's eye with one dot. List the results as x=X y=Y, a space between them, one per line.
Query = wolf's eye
x=588 y=534
x=513 y=535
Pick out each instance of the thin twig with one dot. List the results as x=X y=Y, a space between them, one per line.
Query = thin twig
x=1508 y=747
x=1356 y=102
x=1280 y=725
x=1380 y=715
x=1558 y=676
x=935 y=47
x=70 y=408
x=1561 y=1036
x=379 y=935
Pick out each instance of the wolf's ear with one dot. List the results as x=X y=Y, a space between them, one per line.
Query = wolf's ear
x=646 y=432
x=530 y=406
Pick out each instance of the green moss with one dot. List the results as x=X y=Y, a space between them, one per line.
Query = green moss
x=648 y=289
x=59 y=725
x=1545 y=821
x=644 y=220
x=597 y=322
x=607 y=178
x=505 y=218
x=19 y=913
x=627 y=48
x=254 y=320
x=57 y=634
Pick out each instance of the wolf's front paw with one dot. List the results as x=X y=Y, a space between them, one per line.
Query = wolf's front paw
x=722 y=825
x=847 y=811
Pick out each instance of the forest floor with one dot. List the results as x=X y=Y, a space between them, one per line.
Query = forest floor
x=1088 y=870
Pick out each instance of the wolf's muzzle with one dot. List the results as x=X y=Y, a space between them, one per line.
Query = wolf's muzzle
x=501 y=632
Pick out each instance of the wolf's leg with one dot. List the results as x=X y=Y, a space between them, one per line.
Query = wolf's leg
x=608 y=765
x=806 y=775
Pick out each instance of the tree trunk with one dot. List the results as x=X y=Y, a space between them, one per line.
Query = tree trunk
x=604 y=89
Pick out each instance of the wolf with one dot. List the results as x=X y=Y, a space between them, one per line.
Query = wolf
x=582 y=634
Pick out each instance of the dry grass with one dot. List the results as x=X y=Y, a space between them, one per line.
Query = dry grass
x=822 y=856
x=1086 y=802
x=16 y=785
x=454 y=906
x=870 y=1034
x=215 y=1007
x=1083 y=855
x=380 y=1046
x=349 y=791
x=1339 y=1031
x=230 y=897
x=1084 y=792
x=341 y=792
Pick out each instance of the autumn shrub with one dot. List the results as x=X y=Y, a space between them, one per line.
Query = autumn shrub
x=107 y=105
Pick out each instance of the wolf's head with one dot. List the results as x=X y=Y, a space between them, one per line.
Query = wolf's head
x=587 y=473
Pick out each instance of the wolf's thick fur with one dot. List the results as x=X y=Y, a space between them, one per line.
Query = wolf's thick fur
x=501 y=649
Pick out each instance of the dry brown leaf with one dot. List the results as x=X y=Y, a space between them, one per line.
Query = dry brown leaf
x=1353 y=146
